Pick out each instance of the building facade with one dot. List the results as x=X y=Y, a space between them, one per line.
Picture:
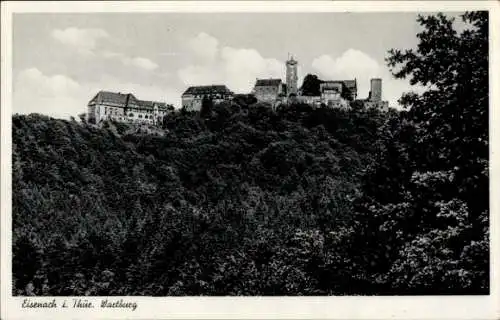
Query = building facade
x=314 y=101
x=125 y=107
x=192 y=98
x=333 y=94
x=269 y=90
x=337 y=93
x=331 y=90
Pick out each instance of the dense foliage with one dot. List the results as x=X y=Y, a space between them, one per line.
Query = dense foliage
x=311 y=85
x=242 y=200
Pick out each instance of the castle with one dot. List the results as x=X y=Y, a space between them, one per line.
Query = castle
x=125 y=108
x=332 y=93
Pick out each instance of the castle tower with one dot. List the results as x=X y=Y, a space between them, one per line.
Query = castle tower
x=291 y=76
x=376 y=89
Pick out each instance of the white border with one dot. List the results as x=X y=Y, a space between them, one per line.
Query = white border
x=408 y=307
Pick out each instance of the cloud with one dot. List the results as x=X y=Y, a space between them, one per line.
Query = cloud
x=196 y=75
x=35 y=80
x=60 y=96
x=243 y=66
x=56 y=95
x=84 y=40
x=352 y=64
x=235 y=67
x=139 y=62
x=111 y=54
x=204 y=46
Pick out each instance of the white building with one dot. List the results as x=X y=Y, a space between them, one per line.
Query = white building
x=125 y=107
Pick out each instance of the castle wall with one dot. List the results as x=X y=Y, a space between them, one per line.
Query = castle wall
x=139 y=116
x=312 y=100
x=91 y=114
x=338 y=103
x=267 y=93
x=192 y=102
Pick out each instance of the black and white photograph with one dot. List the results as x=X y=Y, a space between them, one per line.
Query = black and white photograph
x=248 y=154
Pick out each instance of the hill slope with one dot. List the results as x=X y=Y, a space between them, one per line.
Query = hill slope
x=186 y=213
x=240 y=200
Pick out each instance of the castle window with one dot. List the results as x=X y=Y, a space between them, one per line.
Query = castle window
x=140 y=116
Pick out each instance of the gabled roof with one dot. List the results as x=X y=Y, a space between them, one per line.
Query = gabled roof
x=150 y=104
x=268 y=82
x=213 y=89
x=125 y=99
x=351 y=84
x=113 y=97
x=291 y=60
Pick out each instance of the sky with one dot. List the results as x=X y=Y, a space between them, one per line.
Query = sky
x=60 y=61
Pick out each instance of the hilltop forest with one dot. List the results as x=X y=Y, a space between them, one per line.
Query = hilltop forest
x=240 y=199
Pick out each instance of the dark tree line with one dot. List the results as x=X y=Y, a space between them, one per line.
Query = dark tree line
x=243 y=200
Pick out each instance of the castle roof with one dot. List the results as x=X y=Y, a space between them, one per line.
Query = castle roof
x=113 y=97
x=351 y=84
x=291 y=60
x=150 y=104
x=212 y=89
x=268 y=82
x=333 y=82
x=125 y=99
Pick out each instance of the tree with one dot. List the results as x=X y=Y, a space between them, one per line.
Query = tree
x=206 y=107
x=419 y=233
x=83 y=117
x=451 y=116
x=311 y=85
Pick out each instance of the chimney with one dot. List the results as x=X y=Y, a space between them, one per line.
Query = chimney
x=375 y=89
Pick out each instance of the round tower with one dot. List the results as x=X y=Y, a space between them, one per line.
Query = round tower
x=291 y=77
